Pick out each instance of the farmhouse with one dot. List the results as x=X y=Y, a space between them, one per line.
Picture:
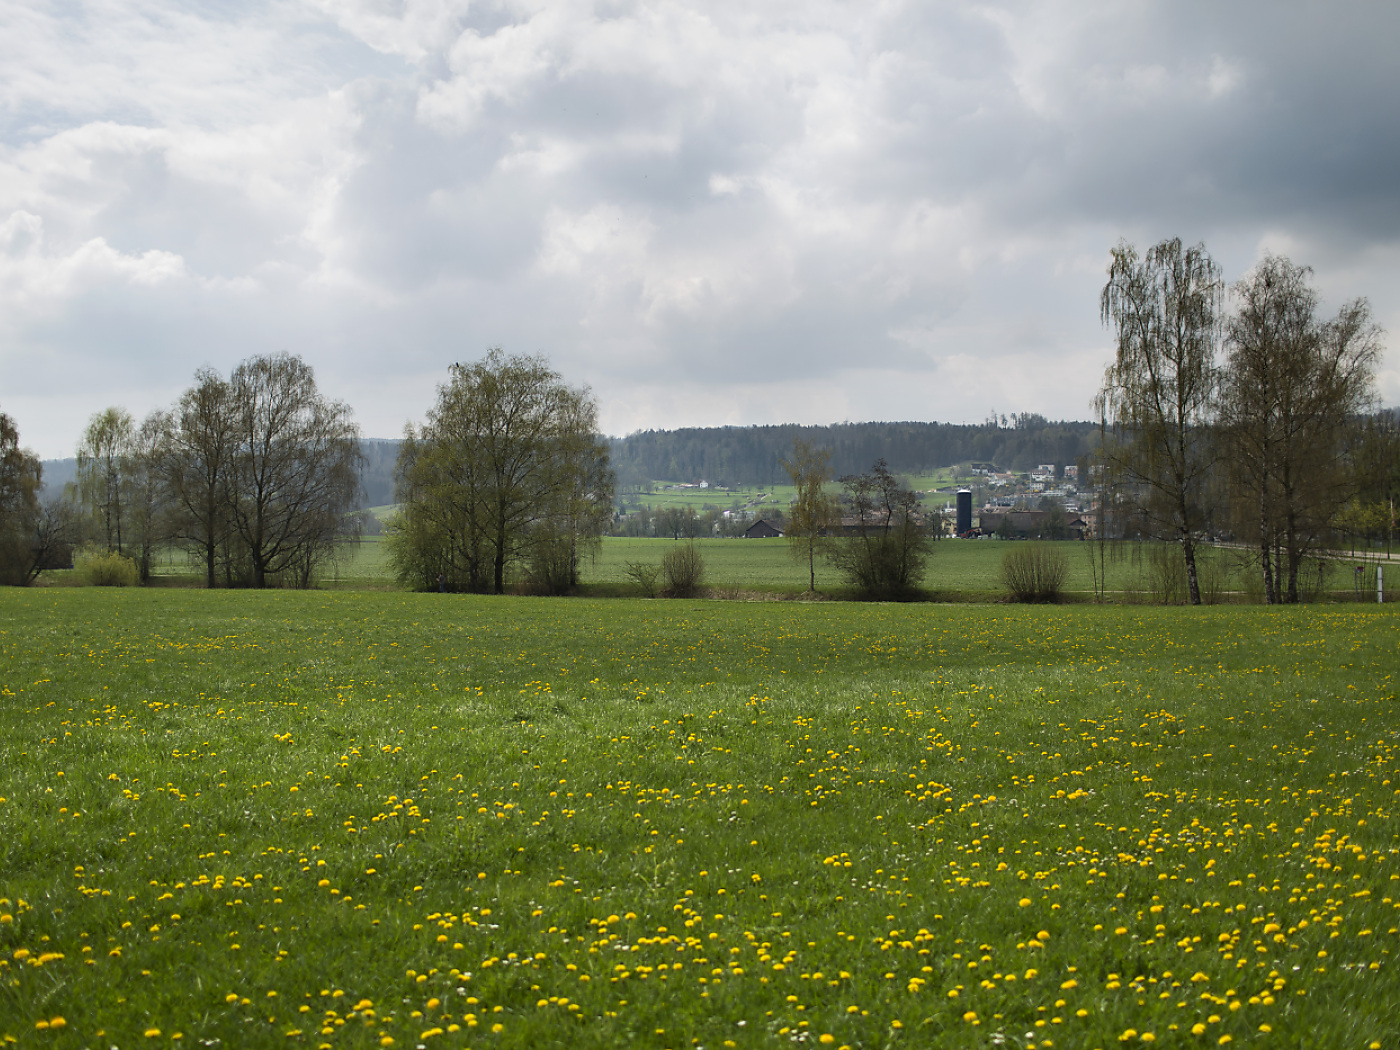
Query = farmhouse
x=761 y=530
x=1027 y=524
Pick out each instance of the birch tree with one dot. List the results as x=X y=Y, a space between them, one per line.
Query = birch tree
x=811 y=513
x=1159 y=395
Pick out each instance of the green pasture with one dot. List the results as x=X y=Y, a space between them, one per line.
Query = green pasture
x=369 y=819
x=754 y=497
x=666 y=494
x=958 y=570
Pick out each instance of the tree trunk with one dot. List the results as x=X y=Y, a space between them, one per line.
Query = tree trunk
x=1295 y=558
x=499 y=582
x=1193 y=587
x=1270 y=586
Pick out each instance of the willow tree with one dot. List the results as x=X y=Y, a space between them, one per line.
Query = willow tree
x=1159 y=395
x=508 y=473
x=20 y=478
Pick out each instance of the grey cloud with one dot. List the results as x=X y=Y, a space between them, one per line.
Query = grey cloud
x=701 y=210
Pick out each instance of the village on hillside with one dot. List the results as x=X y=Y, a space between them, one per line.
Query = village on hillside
x=979 y=501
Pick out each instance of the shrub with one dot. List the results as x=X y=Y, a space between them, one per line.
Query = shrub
x=1166 y=574
x=1033 y=572
x=107 y=569
x=1211 y=568
x=684 y=570
x=553 y=568
x=885 y=557
x=645 y=575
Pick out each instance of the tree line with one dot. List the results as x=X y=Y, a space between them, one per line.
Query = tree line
x=255 y=473
x=1240 y=413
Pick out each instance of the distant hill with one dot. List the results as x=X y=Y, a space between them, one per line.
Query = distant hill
x=377 y=478
x=753 y=455
x=57 y=474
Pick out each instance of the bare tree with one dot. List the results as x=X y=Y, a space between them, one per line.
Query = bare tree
x=295 y=467
x=197 y=467
x=57 y=528
x=1159 y=395
x=1293 y=387
x=811 y=513
x=884 y=549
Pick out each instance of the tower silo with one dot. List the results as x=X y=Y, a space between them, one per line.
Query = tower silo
x=964 y=511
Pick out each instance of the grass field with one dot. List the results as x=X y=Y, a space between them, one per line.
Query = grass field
x=385 y=819
x=666 y=494
x=958 y=570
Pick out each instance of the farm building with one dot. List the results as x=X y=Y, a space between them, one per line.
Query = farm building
x=1029 y=524
x=761 y=530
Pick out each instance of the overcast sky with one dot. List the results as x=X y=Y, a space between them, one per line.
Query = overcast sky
x=711 y=213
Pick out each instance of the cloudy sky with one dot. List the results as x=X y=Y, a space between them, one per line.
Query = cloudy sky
x=712 y=213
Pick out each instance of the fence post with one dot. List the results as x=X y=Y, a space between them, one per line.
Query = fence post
x=1380 y=586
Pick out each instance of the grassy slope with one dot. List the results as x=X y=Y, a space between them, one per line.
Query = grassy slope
x=294 y=819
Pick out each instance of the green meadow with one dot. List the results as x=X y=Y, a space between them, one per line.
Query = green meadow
x=367 y=819
x=778 y=496
x=958 y=570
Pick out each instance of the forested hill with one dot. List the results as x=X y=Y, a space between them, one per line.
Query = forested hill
x=752 y=455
